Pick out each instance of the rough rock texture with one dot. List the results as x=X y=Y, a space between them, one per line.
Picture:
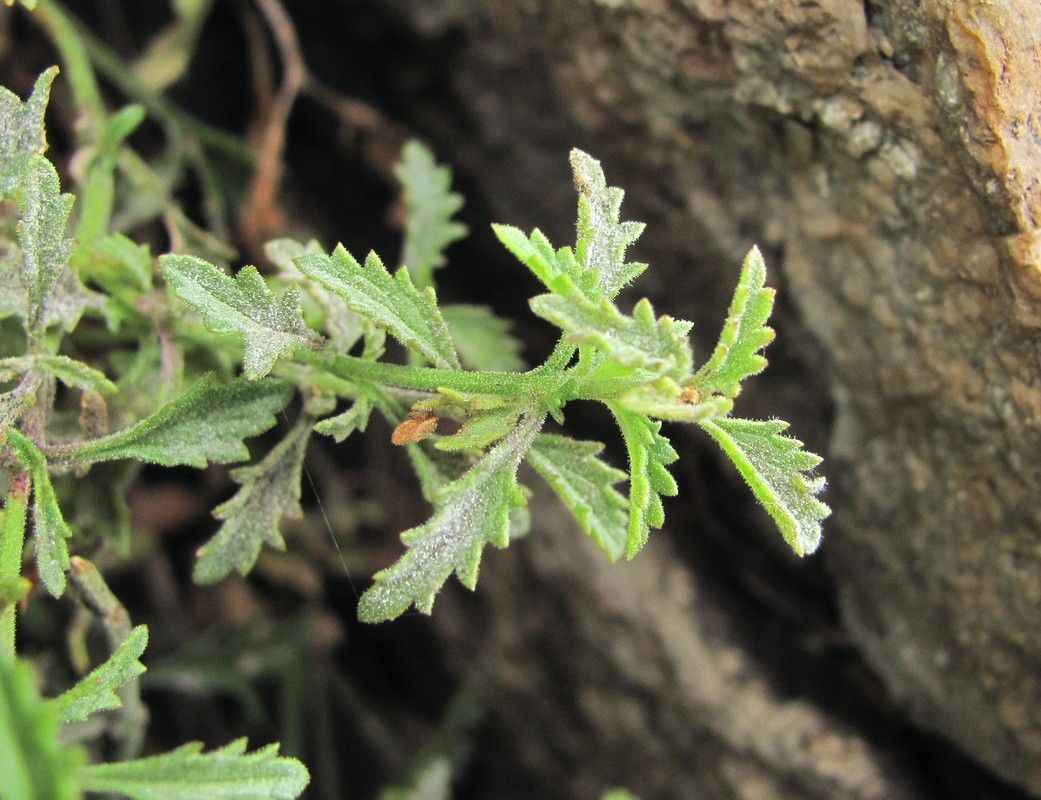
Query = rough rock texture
x=886 y=155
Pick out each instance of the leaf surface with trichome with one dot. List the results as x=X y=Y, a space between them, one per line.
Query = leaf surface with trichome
x=394 y=303
x=207 y=424
x=41 y=233
x=469 y=513
x=271 y=326
x=586 y=485
x=97 y=691
x=745 y=333
x=773 y=466
x=430 y=205
x=228 y=773
x=22 y=132
x=49 y=527
x=269 y=491
x=649 y=453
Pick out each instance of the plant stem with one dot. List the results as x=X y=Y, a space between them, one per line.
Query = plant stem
x=538 y=382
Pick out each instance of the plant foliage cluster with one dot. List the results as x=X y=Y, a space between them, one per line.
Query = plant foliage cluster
x=111 y=355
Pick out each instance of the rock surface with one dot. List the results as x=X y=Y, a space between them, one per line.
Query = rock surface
x=886 y=155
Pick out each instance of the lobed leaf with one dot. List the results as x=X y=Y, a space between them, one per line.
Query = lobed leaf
x=430 y=205
x=270 y=490
x=35 y=765
x=343 y=327
x=228 y=773
x=270 y=325
x=355 y=418
x=41 y=234
x=207 y=424
x=470 y=512
x=49 y=527
x=641 y=341
x=410 y=315
x=97 y=691
x=586 y=485
x=773 y=466
x=744 y=333
x=69 y=371
x=649 y=452
x=22 y=131
x=602 y=238
x=550 y=266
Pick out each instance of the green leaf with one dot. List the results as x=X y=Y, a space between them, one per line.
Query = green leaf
x=343 y=327
x=97 y=691
x=586 y=485
x=49 y=527
x=22 y=131
x=664 y=399
x=483 y=339
x=430 y=205
x=483 y=428
x=355 y=418
x=187 y=773
x=34 y=763
x=41 y=233
x=270 y=490
x=640 y=341
x=69 y=371
x=649 y=452
x=271 y=325
x=469 y=512
x=602 y=239
x=773 y=466
x=744 y=333
x=537 y=254
x=394 y=303
x=207 y=424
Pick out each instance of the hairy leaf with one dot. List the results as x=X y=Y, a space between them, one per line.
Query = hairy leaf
x=430 y=205
x=602 y=239
x=207 y=424
x=649 y=452
x=229 y=773
x=343 y=327
x=22 y=132
x=483 y=428
x=270 y=490
x=69 y=371
x=586 y=485
x=355 y=418
x=552 y=267
x=35 y=765
x=41 y=233
x=410 y=315
x=271 y=326
x=744 y=333
x=49 y=527
x=773 y=466
x=469 y=513
x=640 y=341
x=97 y=691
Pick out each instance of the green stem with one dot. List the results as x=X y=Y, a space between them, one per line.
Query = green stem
x=12 y=540
x=537 y=382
